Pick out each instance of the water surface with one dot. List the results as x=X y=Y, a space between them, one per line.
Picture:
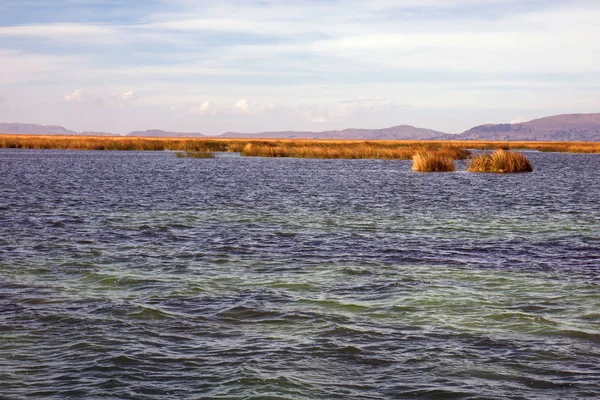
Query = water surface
x=139 y=275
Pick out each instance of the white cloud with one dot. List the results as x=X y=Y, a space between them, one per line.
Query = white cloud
x=76 y=96
x=317 y=112
x=63 y=32
x=333 y=64
x=127 y=96
x=256 y=108
x=514 y=43
x=123 y=97
x=190 y=69
x=242 y=106
x=20 y=67
x=80 y=98
x=207 y=108
x=221 y=25
x=346 y=109
x=364 y=100
x=432 y=4
x=310 y=111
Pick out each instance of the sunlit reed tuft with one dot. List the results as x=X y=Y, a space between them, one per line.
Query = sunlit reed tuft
x=500 y=161
x=432 y=161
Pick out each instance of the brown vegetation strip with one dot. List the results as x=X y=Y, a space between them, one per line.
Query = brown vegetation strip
x=387 y=150
x=302 y=148
x=248 y=147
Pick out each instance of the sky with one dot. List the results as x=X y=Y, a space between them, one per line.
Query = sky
x=264 y=65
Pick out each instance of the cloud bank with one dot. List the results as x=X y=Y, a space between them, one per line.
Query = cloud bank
x=219 y=66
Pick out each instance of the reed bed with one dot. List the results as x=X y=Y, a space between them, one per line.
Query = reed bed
x=558 y=147
x=345 y=149
x=432 y=161
x=110 y=143
x=349 y=149
x=301 y=148
x=500 y=161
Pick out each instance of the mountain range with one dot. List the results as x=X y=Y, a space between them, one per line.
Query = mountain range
x=393 y=133
x=563 y=128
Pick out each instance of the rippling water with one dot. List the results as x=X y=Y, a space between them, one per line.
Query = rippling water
x=139 y=275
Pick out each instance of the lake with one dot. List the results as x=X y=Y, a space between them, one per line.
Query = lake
x=140 y=275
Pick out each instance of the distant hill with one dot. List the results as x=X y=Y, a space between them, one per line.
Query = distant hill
x=563 y=128
x=400 y=132
x=159 y=133
x=566 y=128
x=396 y=132
x=87 y=133
x=33 y=129
x=560 y=128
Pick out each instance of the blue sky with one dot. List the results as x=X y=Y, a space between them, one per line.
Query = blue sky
x=216 y=66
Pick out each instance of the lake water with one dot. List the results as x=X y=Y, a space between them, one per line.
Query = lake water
x=139 y=275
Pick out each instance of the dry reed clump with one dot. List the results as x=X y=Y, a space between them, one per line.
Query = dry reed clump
x=500 y=161
x=432 y=161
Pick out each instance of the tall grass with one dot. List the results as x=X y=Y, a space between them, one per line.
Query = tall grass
x=399 y=150
x=316 y=149
x=384 y=149
x=560 y=147
x=432 y=161
x=110 y=143
x=500 y=161
x=388 y=150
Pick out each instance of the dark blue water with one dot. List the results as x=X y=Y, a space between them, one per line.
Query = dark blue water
x=139 y=275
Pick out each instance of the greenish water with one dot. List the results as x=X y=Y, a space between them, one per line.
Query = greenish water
x=146 y=276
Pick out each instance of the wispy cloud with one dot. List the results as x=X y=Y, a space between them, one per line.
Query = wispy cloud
x=305 y=63
x=76 y=97
x=22 y=67
x=205 y=107
x=80 y=97
x=64 y=32
x=255 y=108
x=127 y=96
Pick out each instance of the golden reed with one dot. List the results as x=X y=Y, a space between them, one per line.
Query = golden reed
x=387 y=150
x=393 y=150
x=432 y=161
x=302 y=148
x=500 y=161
